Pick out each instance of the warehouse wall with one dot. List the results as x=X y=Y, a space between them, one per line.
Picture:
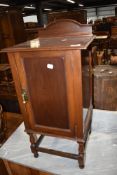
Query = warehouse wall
x=92 y=13
x=100 y=12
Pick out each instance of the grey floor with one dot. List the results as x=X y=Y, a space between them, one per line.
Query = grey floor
x=101 y=153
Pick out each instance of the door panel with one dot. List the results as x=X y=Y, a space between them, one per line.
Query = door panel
x=47 y=91
x=47 y=79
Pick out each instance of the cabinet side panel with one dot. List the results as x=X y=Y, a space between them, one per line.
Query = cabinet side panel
x=46 y=82
x=86 y=79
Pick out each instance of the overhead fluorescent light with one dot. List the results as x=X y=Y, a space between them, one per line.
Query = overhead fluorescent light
x=71 y=1
x=48 y=9
x=4 y=5
x=29 y=7
x=81 y=5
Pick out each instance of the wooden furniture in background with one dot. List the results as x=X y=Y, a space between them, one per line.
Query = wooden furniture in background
x=105 y=87
x=12 y=28
x=11 y=31
x=32 y=33
x=114 y=30
x=101 y=40
x=7 y=87
x=100 y=57
x=48 y=76
x=113 y=38
x=8 y=97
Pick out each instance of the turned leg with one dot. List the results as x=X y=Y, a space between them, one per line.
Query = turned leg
x=33 y=140
x=81 y=158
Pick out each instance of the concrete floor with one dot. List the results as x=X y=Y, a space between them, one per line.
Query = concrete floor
x=101 y=153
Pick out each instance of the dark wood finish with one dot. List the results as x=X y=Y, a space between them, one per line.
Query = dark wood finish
x=101 y=33
x=48 y=78
x=3 y=169
x=31 y=33
x=12 y=33
x=8 y=97
x=7 y=88
x=58 y=153
x=53 y=105
x=65 y=28
x=114 y=30
x=113 y=38
x=105 y=86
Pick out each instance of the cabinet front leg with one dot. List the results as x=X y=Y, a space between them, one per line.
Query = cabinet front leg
x=33 y=140
x=81 y=158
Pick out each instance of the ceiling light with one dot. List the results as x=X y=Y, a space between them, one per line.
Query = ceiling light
x=81 y=5
x=29 y=7
x=4 y=5
x=48 y=9
x=71 y=1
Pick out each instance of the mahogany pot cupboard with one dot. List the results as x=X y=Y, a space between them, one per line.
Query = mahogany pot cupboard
x=48 y=74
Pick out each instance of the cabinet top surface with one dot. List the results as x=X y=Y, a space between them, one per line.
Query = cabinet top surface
x=53 y=43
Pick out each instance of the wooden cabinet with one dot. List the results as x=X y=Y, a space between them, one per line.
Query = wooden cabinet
x=48 y=74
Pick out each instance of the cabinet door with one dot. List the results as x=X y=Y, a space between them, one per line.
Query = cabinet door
x=47 y=92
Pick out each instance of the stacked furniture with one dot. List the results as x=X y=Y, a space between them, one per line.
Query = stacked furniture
x=8 y=97
x=7 y=88
x=10 y=34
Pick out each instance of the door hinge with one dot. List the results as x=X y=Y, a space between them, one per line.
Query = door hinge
x=24 y=96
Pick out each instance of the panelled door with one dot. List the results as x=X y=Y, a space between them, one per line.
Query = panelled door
x=48 y=91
